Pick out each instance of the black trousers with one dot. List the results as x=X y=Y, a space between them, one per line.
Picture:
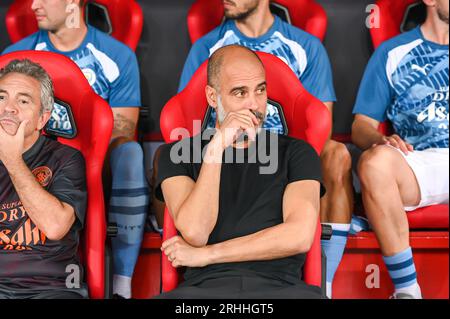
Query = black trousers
x=43 y=294
x=243 y=287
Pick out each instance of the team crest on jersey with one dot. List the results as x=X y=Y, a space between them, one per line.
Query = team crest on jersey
x=90 y=75
x=43 y=175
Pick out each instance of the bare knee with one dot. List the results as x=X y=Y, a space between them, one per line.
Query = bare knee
x=336 y=162
x=375 y=167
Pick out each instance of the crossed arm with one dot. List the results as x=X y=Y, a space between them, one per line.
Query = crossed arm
x=295 y=235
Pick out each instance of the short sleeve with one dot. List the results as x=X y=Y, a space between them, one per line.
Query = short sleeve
x=318 y=76
x=28 y=43
x=125 y=90
x=69 y=186
x=171 y=165
x=375 y=93
x=198 y=54
x=304 y=164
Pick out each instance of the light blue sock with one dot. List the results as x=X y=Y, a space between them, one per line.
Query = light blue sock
x=334 y=249
x=403 y=272
x=358 y=224
x=128 y=205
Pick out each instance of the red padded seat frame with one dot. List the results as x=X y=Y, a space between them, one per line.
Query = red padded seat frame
x=306 y=117
x=94 y=120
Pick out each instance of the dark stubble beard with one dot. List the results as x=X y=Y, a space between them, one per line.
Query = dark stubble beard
x=442 y=15
x=240 y=16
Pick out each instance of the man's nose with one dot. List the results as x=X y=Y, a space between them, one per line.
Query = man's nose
x=36 y=4
x=10 y=107
x=252 y=103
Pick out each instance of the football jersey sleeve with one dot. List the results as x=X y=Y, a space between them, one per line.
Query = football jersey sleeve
x=125 y=90
x=375 y=93
x=318 y=78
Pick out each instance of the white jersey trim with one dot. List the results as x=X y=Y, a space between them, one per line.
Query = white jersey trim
x=41 y=46
x=296 y=49
x=395 y=56
x=220 y=43
x=110 y=68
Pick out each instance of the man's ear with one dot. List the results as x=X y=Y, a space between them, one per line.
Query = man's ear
x=43 y=119
x=211 y=96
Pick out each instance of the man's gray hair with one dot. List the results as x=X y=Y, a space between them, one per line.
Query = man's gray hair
x=34 y=70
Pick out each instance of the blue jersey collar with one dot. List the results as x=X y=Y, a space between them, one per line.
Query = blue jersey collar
x=434 y=45
x=275 y=26
x=51 y=47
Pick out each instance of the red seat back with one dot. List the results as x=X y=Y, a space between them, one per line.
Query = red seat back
x=94 y=121
x=307 y=118
x=308 y=15
x=124 y=15
x=392 y=14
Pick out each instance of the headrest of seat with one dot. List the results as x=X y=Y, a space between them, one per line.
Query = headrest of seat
x=115 y=17
x=205 y=15
x=301 y=110
x=97 y=15
x=71 y=89
x=396 y=16
x=415 y=15
x=281 y=11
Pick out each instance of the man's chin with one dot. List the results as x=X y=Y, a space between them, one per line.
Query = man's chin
x=10 y=129
x=45 y=26
x=235 y=15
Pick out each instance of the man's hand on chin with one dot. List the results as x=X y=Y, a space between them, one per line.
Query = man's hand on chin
x=12 y=146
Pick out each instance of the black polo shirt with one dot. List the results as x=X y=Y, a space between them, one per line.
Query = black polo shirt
x=249 y=200
x=29 y=261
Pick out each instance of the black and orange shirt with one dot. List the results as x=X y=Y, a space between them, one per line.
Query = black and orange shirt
x=28 y=259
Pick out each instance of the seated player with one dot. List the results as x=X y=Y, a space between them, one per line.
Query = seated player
x=250 y=23
x=244 y=226
x=406 y=82
x=42 y=192
x=112 y=71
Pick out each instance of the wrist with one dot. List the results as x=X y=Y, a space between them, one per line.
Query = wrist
x=13 y=163
x=381 y=139
x=214 y=151
x=212 y=253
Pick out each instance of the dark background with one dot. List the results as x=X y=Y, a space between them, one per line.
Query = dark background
x=165 y=44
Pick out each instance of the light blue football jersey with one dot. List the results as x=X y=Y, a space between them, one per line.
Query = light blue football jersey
x=406 y=82
x=110 y=67
x=301 y=51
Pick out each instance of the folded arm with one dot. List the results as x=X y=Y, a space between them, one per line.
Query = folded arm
x=194 y=206
x=295 y=235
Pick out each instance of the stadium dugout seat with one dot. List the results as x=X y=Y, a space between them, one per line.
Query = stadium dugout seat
x=115 y=17
x=429 y=225
x=307 y=15
x=91 y=115
x=396 y=17
x=301 y=112
x=205 y=15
